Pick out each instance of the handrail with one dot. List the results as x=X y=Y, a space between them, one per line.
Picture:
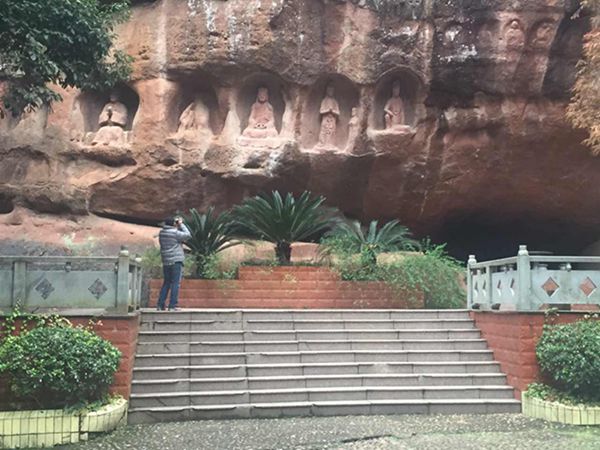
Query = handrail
x=495 y=262
x=59 y=259
x=565 y=259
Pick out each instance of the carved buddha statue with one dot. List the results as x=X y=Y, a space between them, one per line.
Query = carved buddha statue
x=394 y=109
x=261 y=130
x=353 y=129
x=193 y=122
x=112 y=122
x=329 y=113
x=514 y=35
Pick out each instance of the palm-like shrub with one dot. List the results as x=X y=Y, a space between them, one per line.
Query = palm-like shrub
x=373 y=240
x=283 y=221
x=211 y=233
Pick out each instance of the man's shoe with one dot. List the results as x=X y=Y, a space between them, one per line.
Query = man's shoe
x=158 y=308
x=175 y=308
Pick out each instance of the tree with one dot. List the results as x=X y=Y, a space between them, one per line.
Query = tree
x=65 y=42
x=283 y=221
x=584 y=110
x=373 y=240
x=211 y=233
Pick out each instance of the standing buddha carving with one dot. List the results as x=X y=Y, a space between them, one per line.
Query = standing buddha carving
x=394 y=109
x=329 y=113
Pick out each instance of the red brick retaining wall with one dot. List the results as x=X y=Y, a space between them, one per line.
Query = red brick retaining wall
x=513 y=337
x=297 y=287
x=123 y=333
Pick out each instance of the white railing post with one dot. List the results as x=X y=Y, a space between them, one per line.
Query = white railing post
x=19 y=287
x=472 y=260
x=524 y=279
x=138 y=282
x=123 y=281
x=489 y=291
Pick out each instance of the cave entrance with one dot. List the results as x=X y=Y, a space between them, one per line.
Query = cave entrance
x=6 y=203
x=490 y=237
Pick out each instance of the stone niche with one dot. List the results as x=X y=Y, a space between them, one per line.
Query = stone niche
x=410 y=94
x=89 y=111
x=346 y=95
x=261 y=106
x=542 y=34
x=193 y=112
x=6 y=203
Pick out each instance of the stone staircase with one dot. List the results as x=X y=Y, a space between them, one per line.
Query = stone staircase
x=216 y=363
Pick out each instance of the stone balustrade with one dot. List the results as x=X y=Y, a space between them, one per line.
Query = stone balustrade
x=77 y=285
x=529 y=281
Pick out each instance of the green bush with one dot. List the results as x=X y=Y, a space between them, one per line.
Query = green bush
x=547 y=393
x=432 y=272
x=59 y=366
x=217 y=269
x=569 y=355
x=152 y=264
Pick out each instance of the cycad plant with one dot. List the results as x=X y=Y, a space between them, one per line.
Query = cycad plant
x=211 y=233
x=283 y=220
x=373 y=240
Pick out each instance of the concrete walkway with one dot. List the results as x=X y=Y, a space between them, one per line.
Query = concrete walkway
x=464 y=432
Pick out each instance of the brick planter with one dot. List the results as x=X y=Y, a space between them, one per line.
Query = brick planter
x=296 y=287
x=557 y=412
x=46 y=428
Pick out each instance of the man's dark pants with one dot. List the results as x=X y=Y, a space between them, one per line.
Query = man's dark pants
x=171 y=282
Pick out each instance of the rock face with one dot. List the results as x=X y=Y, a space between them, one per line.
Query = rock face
x=447 y=114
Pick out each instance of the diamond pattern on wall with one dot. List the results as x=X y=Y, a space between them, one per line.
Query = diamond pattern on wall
x=45 y=288
x=98 y=288
x=587 y=286
x=550 y=287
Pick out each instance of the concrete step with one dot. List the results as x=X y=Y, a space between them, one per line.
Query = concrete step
x=202 y=364
x=295 y=345
x=324 y=408
x=288 y=335
x=165 y=359
x=222 y=315
x=308 y=324
x=154 y=399
x=302 y=369
x=311 y=381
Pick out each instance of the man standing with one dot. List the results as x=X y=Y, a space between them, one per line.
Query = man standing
x=171 y=237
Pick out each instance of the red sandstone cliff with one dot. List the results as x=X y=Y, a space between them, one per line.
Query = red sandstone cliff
x=484 y=152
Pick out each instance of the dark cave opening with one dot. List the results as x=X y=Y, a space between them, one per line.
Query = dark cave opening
x=489 y=237
x=6 y=204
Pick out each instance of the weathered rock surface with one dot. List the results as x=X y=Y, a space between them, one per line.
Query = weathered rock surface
x=486 y=153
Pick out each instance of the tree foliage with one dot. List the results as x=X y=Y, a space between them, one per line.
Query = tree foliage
x=211 y=233
x=372 y=240
x=283 y=221
x=584 y=110
x=66 y=42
